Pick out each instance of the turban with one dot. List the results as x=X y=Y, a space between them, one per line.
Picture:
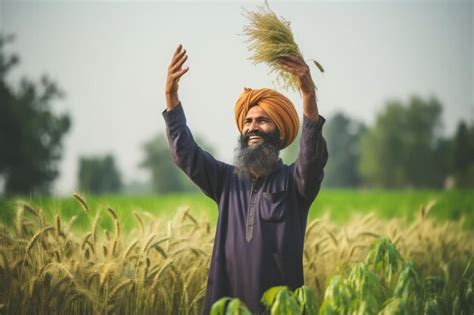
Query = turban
x=276 y=105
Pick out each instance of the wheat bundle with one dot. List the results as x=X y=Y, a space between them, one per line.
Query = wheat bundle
x=270 y=38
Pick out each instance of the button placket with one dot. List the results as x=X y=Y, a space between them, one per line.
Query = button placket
x=251 y=214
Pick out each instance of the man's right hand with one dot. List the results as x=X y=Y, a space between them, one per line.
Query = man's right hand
x=175 y=72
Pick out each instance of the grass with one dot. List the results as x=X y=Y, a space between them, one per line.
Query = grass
x=339 y=204
x=387 y=204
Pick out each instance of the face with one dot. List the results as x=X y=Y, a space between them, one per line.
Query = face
x=257 y=120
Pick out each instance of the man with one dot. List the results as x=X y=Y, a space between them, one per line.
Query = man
x=263 y=204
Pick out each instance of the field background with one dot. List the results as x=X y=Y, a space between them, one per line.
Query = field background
x=340 y=205
x=139 y=254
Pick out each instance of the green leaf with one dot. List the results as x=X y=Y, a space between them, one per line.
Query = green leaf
x=307 y=303
x=339 y=297
x=367 y=287
x=269 y=296
x=384 y=258
x=229 y=306
x=218 y=308
x=236 y=307
x=408 y=282
x=395 y=306
x=233 y=307
x=285 y=303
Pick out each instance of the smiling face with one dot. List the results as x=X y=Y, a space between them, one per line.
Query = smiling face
x=257 y=120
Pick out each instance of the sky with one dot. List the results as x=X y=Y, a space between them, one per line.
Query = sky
x=111 y=58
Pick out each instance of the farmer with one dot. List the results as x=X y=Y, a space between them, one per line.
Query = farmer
x=263 y=204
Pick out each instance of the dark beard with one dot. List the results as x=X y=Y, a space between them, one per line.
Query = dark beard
x=257 y=161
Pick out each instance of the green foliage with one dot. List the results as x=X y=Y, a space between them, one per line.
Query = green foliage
x=343 y=138
x=384 y=258
x=396 y=306
x=401 y=149
x=271 y=294
x=393 y=289
x=463 y=163
x=463 y=294
x=367 y=288
x=285 y=303
x=339 y=297
x=408 y=286
x=99 y=175
x=166 y=177
x=279 y=300
x=306 y=300
x=340 y=205
x=229 y=306
x=31 y=134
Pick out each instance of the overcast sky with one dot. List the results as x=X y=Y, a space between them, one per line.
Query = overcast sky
x=111 y=60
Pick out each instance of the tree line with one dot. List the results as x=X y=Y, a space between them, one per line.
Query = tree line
x=403 y=148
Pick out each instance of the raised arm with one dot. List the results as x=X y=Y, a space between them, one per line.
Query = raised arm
x=312 y=157
x=200 y=166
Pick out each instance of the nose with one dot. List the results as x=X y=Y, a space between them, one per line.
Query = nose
x=253 y=126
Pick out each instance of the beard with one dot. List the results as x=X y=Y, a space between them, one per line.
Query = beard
x=258 y=160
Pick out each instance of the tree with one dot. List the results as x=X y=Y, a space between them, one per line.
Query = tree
x=99 y=175
x=343 y=137
x=31 y=134
x=463 y=159
x=400 y=150
x=166 y=177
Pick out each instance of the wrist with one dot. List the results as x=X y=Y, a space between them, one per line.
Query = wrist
x=310 y=107
x=309 y=94
x=172 y=100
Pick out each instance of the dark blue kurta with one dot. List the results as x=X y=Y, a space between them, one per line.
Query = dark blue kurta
x=261 y=225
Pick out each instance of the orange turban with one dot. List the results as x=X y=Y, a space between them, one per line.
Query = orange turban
x=276 y=105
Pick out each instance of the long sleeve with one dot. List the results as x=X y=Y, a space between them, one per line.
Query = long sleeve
x=200 y=166
x=308 y=170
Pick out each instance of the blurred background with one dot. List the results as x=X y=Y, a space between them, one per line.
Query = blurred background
x=82 y=88
x=82 y=91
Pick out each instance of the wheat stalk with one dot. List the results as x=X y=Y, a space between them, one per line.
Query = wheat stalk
x=36 y=237
x=82 y=201
x=270 y=38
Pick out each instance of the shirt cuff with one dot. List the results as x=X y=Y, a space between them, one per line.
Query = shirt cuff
x=313 y=125
x=175 y=116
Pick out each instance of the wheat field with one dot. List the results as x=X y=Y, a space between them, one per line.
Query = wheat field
x=160 y=266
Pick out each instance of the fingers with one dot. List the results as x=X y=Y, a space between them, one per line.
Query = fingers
x=176 y=70
x=292 y=59
x=178 y=49
x=294 y=64
x=295 y=70
x=179 y=63
x=177 y=57
x=290 y=69
x=180 y=73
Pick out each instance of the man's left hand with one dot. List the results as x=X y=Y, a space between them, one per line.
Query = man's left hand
x=296 y=66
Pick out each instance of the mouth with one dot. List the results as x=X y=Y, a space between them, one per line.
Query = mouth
x=254 y=139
